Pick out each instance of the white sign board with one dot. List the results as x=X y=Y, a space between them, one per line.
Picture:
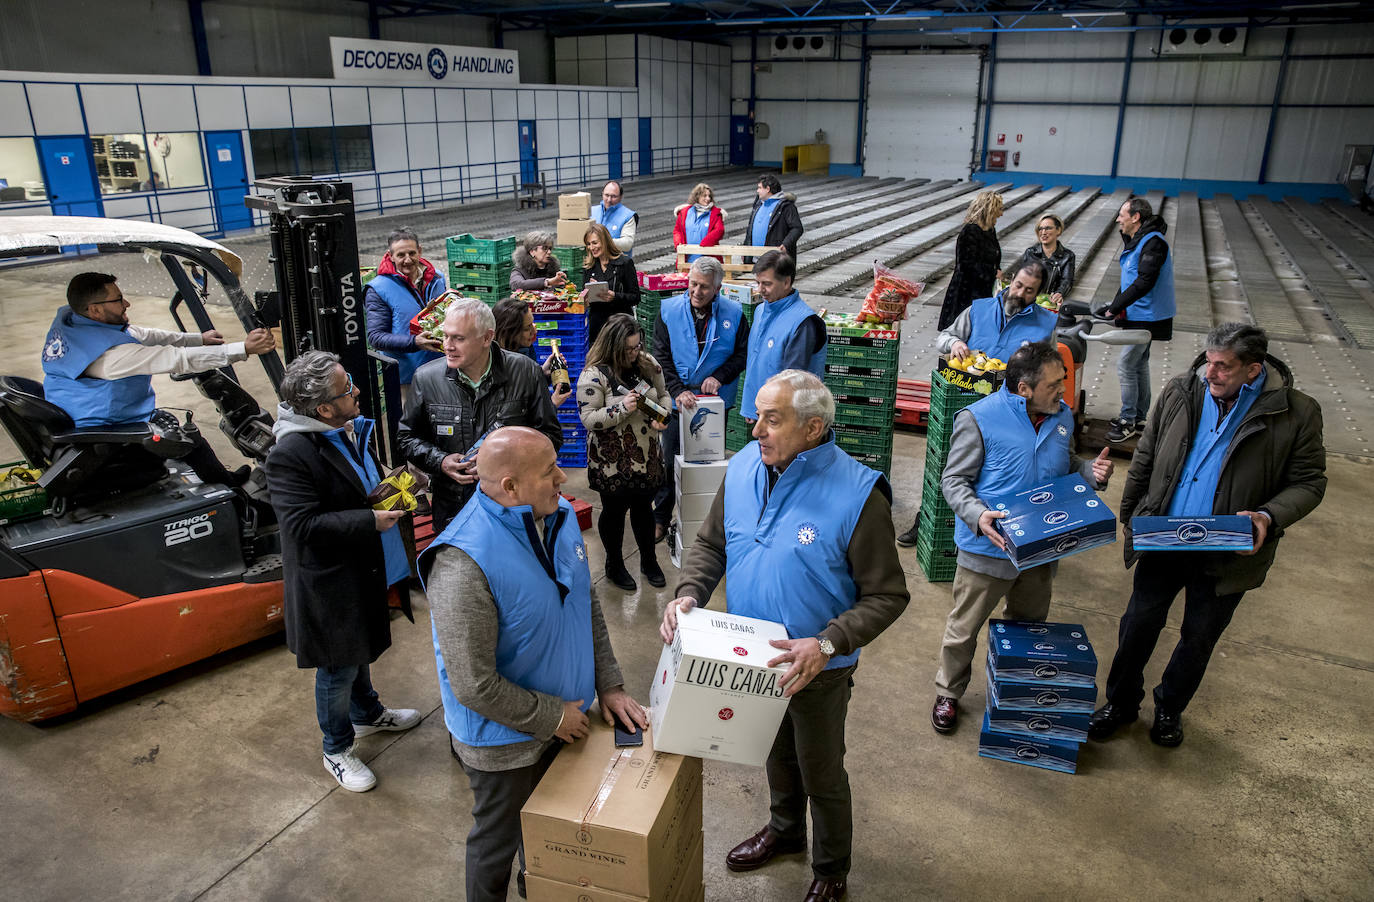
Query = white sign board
x=359 y=60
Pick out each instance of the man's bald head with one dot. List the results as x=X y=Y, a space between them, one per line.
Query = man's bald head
x=517 y=465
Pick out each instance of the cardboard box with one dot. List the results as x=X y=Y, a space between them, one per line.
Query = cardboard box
x=1053 y=520
x=672 y=281
x=1056 y=654
x=686 y=885
x=623 y=820
x=687 y=531
x=575 y=206
x=570 y=232
x=694 y=508
x=1050 y=754
x=741 y=293
x=699 y=478
x=713 y=695
x=1225 y=533
x=701 y=430
x=1040 y=696
x=1048 y=723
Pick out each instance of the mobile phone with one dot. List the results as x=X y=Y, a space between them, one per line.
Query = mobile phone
x=624 y=739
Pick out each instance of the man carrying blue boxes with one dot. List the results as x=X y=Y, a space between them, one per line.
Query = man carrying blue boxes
x=1015 y=439
x=1041 y=688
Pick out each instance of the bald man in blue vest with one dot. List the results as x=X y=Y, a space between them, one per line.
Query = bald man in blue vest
x=520 y=643
x=802 y=533
x=619 y=220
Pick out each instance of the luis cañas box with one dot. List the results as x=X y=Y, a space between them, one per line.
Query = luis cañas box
x=1224 y=533
x=714 y=695
x=1053 y=520
x=625 y=821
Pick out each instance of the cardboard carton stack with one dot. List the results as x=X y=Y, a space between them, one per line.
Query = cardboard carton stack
x=935 y=549
x=1042 y=687
x=699 y=469
x=574 y=212
x=861 y=371
x=480 y=267
x=615 y=825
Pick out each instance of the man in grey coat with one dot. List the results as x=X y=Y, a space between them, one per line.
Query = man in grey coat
x=520 y=643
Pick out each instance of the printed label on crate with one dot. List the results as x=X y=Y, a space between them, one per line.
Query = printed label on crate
x=863 y=401
x=870 y=372
x=663 y=281
x=556 y=306
x=985 y=384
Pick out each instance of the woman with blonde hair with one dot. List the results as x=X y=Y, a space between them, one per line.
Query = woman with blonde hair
x=977 y=257
x=604 y=262
x=699 y=221
x=624 y=459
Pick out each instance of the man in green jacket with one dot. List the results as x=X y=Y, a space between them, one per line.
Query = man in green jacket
x=1231 y=436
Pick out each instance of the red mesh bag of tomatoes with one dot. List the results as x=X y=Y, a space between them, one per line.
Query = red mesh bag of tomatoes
x=886 y=303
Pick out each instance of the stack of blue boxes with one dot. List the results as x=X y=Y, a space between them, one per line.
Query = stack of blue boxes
x=570 y=331
x=1042 y=687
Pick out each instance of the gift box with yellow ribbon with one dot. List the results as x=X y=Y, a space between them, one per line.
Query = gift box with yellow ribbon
x=399 y=490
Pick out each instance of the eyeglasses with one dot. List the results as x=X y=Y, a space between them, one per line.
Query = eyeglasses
x=1048 y=228
x=118 y=300
x=348 y=390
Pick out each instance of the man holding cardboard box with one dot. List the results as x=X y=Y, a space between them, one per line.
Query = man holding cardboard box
x=1232 y=436
x=702 y=341
x=519 y=642
x=803 y=533
x=1007 y=442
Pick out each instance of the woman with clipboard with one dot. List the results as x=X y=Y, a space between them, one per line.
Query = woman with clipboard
x=611 y=286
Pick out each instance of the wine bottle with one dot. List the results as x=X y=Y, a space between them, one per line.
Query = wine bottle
x=558 y=372
x=652 y=409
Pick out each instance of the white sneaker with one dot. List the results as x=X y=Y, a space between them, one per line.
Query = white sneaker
x=393 y=720
x=350 y=771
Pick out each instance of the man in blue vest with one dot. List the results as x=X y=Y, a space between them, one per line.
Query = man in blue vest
x=702 y=342
x=999 y=325
x=98 y=367
x=619 y=220
x=406 y=283
x=1145 y=300
x=1001 y=445
x=774 y=220
x=519 y=642
x=786 y=334
x=802 y=534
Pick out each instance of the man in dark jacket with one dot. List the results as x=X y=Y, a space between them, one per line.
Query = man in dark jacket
x=774 y=221
x=457 y=400
x=340 y=558
x=1231 y=436
x=1145 y=300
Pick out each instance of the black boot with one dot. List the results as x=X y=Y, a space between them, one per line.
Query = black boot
x=908 y=538
x=619 y=576
x=652 y=572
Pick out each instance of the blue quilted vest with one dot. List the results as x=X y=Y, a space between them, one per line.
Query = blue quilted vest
x=613 y=219
x=997 y=336
x=774 y=323
x=692 y=368
x=786 y=550
x=73 y=343
x=404 y=306
x=1158 y=304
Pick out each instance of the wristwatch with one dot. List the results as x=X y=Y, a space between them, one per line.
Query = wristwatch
x=827 y=647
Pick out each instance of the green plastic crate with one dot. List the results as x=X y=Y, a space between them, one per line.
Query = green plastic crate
x=850 y=355
x=854 y=440
x=873 y=387
x=489 y=293
x=939 y=567
x=470 y=249
x=880 y=462
x=492 y=276
x=23 y=502
x=856 y=415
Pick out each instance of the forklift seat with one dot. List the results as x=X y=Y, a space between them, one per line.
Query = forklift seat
x=125 y=456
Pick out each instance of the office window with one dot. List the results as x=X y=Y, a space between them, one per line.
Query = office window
x=311 y=151
x=174 y=161
x=121 y=163
x=354 y=147
x=273 y=152
x=315 y=150
x=21 y=178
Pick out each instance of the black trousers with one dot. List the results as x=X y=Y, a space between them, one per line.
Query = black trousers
x=494 y=841
x=610 y=526
x=670 y=440
x=806 y=765
x=442 y=509
x=1159 y=576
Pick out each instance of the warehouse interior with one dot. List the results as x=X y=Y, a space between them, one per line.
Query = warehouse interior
x=204 y=783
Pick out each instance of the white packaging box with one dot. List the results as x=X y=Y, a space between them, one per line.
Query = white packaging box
x=698 y=478
x=702 y=430
x=687 y=531
x=713 y=695
x=739 y=292
x=693 y=507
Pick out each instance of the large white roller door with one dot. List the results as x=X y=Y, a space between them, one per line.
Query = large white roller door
x=921 y=115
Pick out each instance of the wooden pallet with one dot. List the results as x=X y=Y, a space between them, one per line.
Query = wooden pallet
x=732 y=257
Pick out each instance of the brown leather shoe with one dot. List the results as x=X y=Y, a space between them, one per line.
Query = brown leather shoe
x=826 y=889
x=945 y=715
x=761 y=848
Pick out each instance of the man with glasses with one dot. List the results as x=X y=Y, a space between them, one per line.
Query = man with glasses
x=98 y=367
x=618 y=219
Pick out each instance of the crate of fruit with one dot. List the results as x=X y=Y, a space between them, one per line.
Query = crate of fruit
x=21 y=497
x=976 y=373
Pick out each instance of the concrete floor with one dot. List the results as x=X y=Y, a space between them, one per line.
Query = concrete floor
x=207 y=783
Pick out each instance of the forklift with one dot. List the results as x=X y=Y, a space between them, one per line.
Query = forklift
x=134 y=567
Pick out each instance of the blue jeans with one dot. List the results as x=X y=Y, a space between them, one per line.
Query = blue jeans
x=1133 y=371
x=344 y=696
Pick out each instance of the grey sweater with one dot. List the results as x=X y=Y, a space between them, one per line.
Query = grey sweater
x=466 y=625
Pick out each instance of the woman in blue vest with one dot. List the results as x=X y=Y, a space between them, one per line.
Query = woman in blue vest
x=405 y=284
x=605 y=263
x=624 y=461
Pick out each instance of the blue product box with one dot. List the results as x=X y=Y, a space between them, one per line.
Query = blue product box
x=1051 y=754
x=1049 y=653
x=1056 y=519
x=1227 y=533
x=1045 y=723
x=1040 y=696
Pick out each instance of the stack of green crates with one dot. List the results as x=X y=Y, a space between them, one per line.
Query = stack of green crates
x=736 y=430
x=935 y=550
x=570 y=259
x=480 y=267
x=861 y=371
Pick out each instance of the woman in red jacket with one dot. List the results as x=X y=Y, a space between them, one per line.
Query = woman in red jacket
x=699 y=221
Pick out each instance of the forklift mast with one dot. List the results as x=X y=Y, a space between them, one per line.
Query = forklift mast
x=318 y=301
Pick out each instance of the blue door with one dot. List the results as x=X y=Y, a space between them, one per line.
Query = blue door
x=741 y=141
x=228 y=179
x=70 y=176
x=613 y=156
x=529 y=153
x=646 y=145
